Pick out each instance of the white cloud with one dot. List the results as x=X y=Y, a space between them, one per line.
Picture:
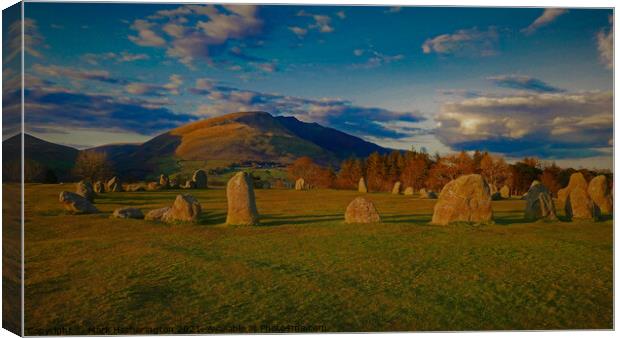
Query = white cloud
x=94 y=59
x=546 y=125
x=548 y=16
x=188 y=32
x=76 y=73
x=465 y=42
x=605 y=42
x=147 y=89
x=320 y=23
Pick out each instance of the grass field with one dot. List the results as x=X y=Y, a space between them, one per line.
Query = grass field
x=305 y=267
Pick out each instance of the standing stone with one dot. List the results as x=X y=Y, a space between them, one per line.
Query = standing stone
x=577 y=203
x=114 y=185
x=598 y=189
x=157 y=214
x=241 y=202
x=361 y=186
x=128 y=213
x=505 y=192
x=562 y=197
x=396 y=188
x=408 y=191
x=152 y=186
x=300 y=184
x=184 y=209
x=200 y=179
x=465 y=199
x=85 y=189
x=76 y=204
x=164 y=181
x=189 y=184
x=135 y=187
x=539 y=204
x=99 y=187
x=361 y=210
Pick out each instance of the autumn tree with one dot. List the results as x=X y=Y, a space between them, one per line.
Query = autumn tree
x=349 y=174
x=315 y=175
x=494 y=169
x=415 y=169
x=376 y=172
x=92 y=165
x=549 y=178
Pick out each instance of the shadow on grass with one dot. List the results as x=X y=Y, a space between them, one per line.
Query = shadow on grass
x=276 y=220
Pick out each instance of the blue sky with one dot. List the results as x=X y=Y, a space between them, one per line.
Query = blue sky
x=518 y=82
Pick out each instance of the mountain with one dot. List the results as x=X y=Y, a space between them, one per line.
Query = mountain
x=41 y=158
x=233 y=138
x=239 y=137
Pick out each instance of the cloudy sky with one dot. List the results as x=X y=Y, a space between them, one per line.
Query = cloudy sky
x=518 y=82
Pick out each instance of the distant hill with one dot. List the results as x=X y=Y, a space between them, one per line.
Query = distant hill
x=233 y=138
x=40 y=155
x=239 y=137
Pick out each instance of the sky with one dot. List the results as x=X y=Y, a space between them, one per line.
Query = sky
x=512 y=81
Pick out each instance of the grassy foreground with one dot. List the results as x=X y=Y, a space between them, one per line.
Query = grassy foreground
x=307 y=270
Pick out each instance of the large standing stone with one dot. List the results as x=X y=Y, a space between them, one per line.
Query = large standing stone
x=114 y=185
x=539 y=204
x=562 y=197
x=465 y=199
x=156 y=214
x=128 y=213
x=396 y=188
x=361 y=210
x=408 y=191
x=300 y=184
x=164 y=181
x=76 y=204
x=85 y=189
x=361 y=186
x=200 y=179
x=505 y=192
x=598 y=189
x=99 y=187
x=241 y=201
x=577 y=203
x=184 y=209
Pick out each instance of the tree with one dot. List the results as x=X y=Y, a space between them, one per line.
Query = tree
x=415 y=169
x=494 y=169
x=92 y=165
x=376 y=172
x=313 y=174
x=350 y=172
x=549 y=178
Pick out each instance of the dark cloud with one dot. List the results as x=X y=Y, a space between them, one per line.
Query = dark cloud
x=524 y=83
x=566 y=125
x=69 y=109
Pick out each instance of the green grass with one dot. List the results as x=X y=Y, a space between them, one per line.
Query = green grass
x=304 y=266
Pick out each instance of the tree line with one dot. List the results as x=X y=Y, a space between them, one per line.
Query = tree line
x=418 y=169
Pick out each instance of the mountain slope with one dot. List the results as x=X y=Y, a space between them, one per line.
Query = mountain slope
x=57 y=158
x=238 y=137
